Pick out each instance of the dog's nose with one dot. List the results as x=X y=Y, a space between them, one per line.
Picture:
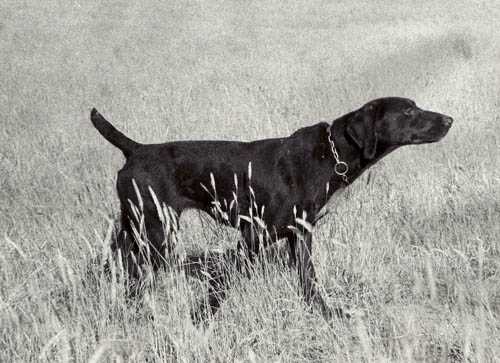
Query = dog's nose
x=447 y=120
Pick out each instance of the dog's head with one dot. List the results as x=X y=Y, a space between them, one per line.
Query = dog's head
x=393 y=121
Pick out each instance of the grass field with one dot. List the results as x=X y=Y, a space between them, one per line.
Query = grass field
x=414 y=251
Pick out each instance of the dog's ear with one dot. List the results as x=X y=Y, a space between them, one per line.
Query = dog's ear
x=361 y=129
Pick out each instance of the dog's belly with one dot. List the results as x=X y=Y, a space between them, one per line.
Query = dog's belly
x=272 y=212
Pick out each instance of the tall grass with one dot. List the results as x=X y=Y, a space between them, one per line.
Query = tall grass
x=413 y=250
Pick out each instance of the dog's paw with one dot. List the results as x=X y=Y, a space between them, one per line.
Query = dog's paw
x=340 y=313
x=200 y=316
x=336 y=313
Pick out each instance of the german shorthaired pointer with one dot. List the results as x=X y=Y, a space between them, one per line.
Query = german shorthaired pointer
x=282 y=183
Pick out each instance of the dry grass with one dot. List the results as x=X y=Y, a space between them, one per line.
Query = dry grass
x=415 y=251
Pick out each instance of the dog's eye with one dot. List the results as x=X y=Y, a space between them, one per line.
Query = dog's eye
x=408 y=111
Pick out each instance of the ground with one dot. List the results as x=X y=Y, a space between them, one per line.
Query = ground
x=413 y=248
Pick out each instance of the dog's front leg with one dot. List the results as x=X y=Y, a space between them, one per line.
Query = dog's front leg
x=307 y=275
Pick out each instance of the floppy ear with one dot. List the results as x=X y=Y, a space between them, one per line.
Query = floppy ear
x=361 y=128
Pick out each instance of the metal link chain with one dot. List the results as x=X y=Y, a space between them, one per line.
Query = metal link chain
x=341 y=168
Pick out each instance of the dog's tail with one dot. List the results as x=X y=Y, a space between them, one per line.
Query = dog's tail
x=110 y=133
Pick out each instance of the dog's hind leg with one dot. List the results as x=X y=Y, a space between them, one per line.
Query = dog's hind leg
x=217 y=269
x=161 y=223
x=149 y=226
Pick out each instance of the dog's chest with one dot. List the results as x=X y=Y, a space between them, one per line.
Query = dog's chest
x=331 y=203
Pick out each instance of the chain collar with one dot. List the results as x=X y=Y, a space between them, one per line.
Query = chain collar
x=341 y=168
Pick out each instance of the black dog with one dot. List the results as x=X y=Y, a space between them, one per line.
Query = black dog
x=284 y=181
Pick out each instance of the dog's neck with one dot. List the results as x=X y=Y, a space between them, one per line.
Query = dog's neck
x=347 y=150
x=350 y=153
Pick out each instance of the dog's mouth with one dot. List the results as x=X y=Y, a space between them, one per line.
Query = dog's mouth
x=442 y=127
x=434 y=130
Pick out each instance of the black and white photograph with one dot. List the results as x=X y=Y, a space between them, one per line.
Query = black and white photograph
x=250 y=181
